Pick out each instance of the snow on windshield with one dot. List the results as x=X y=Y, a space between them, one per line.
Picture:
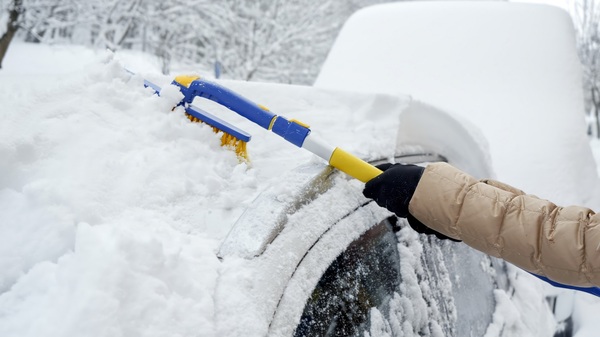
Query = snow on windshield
x=113 y=207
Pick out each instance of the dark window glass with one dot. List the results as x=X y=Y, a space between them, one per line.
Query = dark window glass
x=365 y=275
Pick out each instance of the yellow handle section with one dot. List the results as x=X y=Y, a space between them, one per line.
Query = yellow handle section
x=186 y=80
x=353 y=166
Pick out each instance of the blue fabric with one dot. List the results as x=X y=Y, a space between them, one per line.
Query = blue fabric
x=593 y=290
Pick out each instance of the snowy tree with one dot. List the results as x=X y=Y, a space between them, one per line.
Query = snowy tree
x=12 y=25
x=114 y=22
x=268 y=40
x=274 y=40
x=51 y=21
x=586 y=16
x=182 y=30
x=278 y=40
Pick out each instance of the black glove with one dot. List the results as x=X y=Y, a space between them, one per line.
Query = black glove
x=393 y=190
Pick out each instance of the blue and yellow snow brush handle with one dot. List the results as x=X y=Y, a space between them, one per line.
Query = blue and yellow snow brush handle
x=291 y=130
x=352 y=165
x=193 y=86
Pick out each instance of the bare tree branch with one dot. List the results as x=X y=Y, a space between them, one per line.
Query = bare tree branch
x=11 y=28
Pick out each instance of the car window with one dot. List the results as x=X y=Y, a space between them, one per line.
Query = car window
x=365 y=275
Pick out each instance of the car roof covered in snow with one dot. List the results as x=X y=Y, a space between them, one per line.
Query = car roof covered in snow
x=509 y=69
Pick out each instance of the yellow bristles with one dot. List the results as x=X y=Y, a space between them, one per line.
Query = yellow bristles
x=227 y=140
x=239 y=146
x=192 y=118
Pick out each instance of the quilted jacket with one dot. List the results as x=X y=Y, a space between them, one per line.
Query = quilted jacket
x=560 y=243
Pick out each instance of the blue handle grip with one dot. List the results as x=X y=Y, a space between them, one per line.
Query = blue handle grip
x=292 y=131
x=227 y=98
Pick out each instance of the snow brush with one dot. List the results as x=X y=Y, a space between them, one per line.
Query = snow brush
x=232 y=137
x=292 y=130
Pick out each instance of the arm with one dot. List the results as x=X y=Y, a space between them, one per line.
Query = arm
x=561 y=243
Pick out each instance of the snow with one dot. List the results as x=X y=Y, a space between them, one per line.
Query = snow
x=98 y=200
x=520 y=313
x=451 y=136
x=508 y=68
x=113 y=208
x=308 y=267
x=411 y=314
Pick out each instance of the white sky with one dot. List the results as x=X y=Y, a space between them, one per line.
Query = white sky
x=559 y=3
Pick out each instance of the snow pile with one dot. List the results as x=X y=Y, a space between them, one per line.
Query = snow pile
x=432 y=303
x=101 y=187
x=113 y=207
x=520 y=309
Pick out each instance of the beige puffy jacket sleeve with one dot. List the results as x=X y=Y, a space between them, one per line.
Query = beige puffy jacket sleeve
x=561 y=243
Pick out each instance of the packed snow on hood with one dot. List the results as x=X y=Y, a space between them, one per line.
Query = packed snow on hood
x=113 y=206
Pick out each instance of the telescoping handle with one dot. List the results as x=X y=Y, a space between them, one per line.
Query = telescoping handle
x=291 y=130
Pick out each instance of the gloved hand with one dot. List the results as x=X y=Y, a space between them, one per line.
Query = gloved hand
x=393 y=190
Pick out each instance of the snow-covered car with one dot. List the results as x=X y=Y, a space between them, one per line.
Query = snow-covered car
x=483 y=95
x=131 y=218
x=345 y=266
x=508 y=71
x=125 y=219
